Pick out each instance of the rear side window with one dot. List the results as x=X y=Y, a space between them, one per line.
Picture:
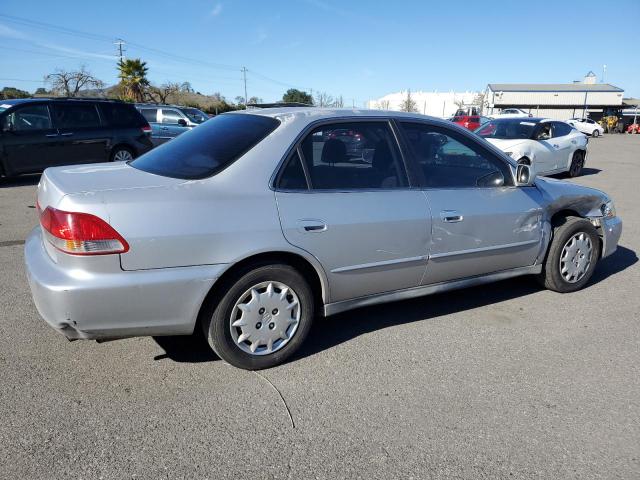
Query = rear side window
x=208 y=149
x=353 y=156
x=75 y=116
x=121 y=115
x=150 y=114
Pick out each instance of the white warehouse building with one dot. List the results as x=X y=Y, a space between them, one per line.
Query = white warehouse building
x=437 y=104
x=558 y=101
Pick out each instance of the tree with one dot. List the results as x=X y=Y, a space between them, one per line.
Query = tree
x=11 y=92
x=408 y=104
x=384 y=104
x=41 y=91
x=339 y=103
x=323 y=99
x=133 y=79
x=255 y=100
x=295 y=95
x=186 y=87
x=69 y=83
x=161 y=94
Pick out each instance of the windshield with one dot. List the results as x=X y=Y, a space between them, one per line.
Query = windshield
x=195 y=115
x=208 y=149
x=507 y=128
x=2 y=109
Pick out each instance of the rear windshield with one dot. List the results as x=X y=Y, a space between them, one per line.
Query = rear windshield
x=207 y=149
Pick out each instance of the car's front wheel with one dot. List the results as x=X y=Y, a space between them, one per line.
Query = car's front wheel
x=596 y=133
x=572 y=256
x=577 y=162
x=262 y=318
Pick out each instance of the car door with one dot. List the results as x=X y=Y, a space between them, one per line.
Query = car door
x=170 y=126
x=545 y=155
x=481 y=222
x=84 y=138
x=564 y=144
x=28 y=139
x=358 y=217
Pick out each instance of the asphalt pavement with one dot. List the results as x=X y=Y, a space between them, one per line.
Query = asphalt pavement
x=501 y=381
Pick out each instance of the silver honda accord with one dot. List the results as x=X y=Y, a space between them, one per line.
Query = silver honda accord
x=256 y=222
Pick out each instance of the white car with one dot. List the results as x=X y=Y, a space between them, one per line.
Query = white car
x=549 y=146
x=587 y=126
x=511 y=113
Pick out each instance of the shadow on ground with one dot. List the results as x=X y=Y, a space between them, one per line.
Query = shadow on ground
x=334 y=330
x=22 y=181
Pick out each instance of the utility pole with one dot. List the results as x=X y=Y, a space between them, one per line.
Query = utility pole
x=244 y=76
x=120 y=43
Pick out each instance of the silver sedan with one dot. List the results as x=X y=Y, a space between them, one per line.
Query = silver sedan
x=256 y=222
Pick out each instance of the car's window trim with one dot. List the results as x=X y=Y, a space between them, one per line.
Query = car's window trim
x=275 y=177
x=461 y=134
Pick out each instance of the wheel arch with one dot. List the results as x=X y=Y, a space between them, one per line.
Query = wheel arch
x=559 y=217
x=126 y=145
x=312 y=272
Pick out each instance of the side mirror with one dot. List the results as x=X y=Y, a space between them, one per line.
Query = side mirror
x=182 y=122
x=525 y=176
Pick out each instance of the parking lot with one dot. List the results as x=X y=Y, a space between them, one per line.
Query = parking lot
x=500 y=381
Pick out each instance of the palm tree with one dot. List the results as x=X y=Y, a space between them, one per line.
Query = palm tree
x=133 y=79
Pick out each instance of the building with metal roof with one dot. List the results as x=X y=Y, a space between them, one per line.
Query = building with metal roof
x=559 y=101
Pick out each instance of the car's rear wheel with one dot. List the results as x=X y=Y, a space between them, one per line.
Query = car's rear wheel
x=122 y=154
x=263 y=317
x=572 y=256
x=577 y=162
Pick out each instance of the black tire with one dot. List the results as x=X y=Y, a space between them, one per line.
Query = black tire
x=551 y=276
x=577 y=163
x=121 y=149
x=524 y=161
x=596 y=133
x=217 y=318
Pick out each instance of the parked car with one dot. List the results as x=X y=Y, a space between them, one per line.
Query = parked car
x=587 y=126
x=470 y=122
x=633 y=128
x=36 y=133
x=549 y=146
x=511 y=113
x=252 y=223
x=169 y=121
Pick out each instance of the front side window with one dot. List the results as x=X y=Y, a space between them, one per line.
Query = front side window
x=208 y=149
x=544 y=133
x=75 y=116
x=449 y=160
x=170 y=116
x=195 y=115
x=29 y=118
x=358 y=155
x=560 y=129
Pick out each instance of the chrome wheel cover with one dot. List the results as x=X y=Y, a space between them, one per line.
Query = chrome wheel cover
x=122 y=156
x=575 y=258
x=265 y=318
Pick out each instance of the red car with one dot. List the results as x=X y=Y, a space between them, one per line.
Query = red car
x=470 y=122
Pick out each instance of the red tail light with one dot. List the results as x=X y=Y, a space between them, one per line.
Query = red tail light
x=146 y=128
x=81 y=233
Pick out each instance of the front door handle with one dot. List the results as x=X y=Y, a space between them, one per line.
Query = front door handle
x=312 y=226
x=68 y=134
x=51 y=135
x=451 y=216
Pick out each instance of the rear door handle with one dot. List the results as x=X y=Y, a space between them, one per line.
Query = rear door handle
x=451 y=216
x=68 y=134
x=312 y=226
x=51 y=135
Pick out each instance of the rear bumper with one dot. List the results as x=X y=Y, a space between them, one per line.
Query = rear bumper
x=87 y=305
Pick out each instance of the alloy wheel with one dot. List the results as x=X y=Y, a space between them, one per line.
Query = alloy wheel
x=122 y=156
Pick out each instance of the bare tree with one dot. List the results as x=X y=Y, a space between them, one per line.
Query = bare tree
x=161 y=94
x=69 y=84
x=339 y=103
x=408 y=104
x=323 y=99
x=186 y=87
x=384 y=104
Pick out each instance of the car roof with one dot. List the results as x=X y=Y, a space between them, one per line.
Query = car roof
x=160 y=105
x=18 y=101
x=525 y=119
x=312 y=114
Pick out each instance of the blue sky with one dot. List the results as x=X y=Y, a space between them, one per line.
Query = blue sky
x=358 y=49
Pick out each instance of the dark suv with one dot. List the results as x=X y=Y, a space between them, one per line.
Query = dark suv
x=37 y=133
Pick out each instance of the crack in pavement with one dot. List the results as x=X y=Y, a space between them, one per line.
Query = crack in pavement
x=10 y=243
x=284 y=402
